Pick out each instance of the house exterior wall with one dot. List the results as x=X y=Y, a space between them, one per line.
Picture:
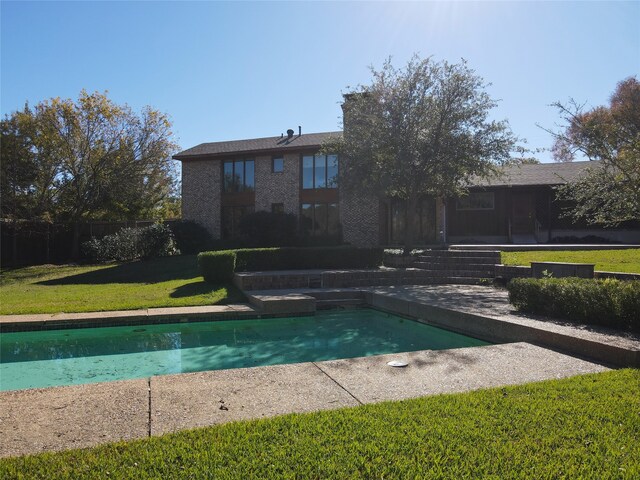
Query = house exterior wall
x=360 y=219
x=283 y=187
x=201 y=192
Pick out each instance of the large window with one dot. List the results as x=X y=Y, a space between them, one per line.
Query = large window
x=476 y=201
x=319 y=219
x=319 y=171
x=231 y=216
x=239 y=176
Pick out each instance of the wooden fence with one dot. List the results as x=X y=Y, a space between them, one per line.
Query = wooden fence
x=27 y=242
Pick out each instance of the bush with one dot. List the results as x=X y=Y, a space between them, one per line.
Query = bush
x=267 y=229
x=132 y=243
x=287 y=258
x=217 y=267
x=191 y=237
x=297 y=258
x=156 y=241
x=612 y=303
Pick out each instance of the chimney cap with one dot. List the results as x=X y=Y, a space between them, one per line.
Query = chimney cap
x=290 y=133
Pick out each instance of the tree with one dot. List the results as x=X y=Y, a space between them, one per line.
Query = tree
x=96 y=159
x=421 y=130
x=609 y=192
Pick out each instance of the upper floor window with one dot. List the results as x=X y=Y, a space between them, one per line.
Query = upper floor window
x=277 y=164
x=476 y=201
x=239 y=176
x=319 y=171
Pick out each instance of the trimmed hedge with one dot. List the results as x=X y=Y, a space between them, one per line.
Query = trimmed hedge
x=611 y=303
x=300 y=258
x=261 y=229
x=217 y=267
x=287 y=258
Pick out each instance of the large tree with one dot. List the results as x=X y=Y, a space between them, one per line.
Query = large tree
x=420 y=130
x=609 y=193
x=95 y=159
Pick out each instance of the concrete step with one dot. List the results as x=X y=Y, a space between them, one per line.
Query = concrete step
x=461 y=253
x=339 y=302
x=452 y=280
x=457 y=273
x=484 y=267
x=322 y=295
x=458 y=260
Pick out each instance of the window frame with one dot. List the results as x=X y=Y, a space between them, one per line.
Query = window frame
x=328 y=185
x=314 y=232
x=273 y=163
x=236 y=187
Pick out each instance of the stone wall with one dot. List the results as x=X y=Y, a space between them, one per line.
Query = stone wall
x=359 y=216
x=201 y=190
x=283 y=187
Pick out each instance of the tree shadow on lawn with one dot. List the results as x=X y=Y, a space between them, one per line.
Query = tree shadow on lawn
x=182 y=267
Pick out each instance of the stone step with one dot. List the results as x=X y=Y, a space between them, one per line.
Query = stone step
x=483 y=267
x=456 y=273
x=458 y=260
x=322 y=295
x=461 y=253
x=339 y=302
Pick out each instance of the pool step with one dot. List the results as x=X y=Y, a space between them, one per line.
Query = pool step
x=449 y=266
x=339 y=302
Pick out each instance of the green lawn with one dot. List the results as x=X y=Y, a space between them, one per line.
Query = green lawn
x=605 y=260
x=162 y=282
x=582 y=427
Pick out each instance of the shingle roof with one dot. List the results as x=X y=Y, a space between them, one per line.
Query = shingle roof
x=538 y=174
x=256 y=145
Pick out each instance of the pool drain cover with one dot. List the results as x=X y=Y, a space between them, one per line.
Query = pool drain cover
x=397 y=363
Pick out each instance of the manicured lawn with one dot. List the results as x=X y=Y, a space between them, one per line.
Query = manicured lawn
x=583 y=427
x=163 y=282
x=605 y=260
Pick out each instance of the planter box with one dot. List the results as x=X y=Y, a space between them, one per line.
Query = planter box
x=560 y=269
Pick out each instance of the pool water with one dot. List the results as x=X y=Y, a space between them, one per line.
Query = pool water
x=88 y=355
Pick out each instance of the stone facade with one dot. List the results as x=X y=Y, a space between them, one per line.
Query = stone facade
x=201 y=191
x=359 y=216
x=282 y=187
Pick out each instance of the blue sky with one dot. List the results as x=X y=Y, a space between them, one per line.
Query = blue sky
x=226 y=71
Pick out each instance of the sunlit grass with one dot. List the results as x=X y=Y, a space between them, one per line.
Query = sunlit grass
x=605 y=260
x=582 y=427
x=163 y=282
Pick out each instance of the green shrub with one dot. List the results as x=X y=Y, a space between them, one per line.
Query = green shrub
x=268 y=229
x=132 y=243
x=612 y=303
x=294 y=258
x=191 y=237
x=298 y=258
x=217 y=267
x=156 y=240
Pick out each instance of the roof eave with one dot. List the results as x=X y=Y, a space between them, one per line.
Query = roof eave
x=204 y=156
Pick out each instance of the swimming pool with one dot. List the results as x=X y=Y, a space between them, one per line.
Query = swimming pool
x=87 y=355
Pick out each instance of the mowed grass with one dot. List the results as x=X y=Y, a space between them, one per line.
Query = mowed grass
x=582 y=427
x=605 y=260
x=162 y=282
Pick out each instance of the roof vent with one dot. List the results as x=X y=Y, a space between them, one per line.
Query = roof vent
x=299 y=130
x=289 y=133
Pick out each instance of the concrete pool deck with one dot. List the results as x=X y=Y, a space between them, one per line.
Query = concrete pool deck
x=60 y=418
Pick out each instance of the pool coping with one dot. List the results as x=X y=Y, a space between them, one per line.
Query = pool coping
x=418 y=302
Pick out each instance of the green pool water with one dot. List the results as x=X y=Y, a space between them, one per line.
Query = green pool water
x=87 y=355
